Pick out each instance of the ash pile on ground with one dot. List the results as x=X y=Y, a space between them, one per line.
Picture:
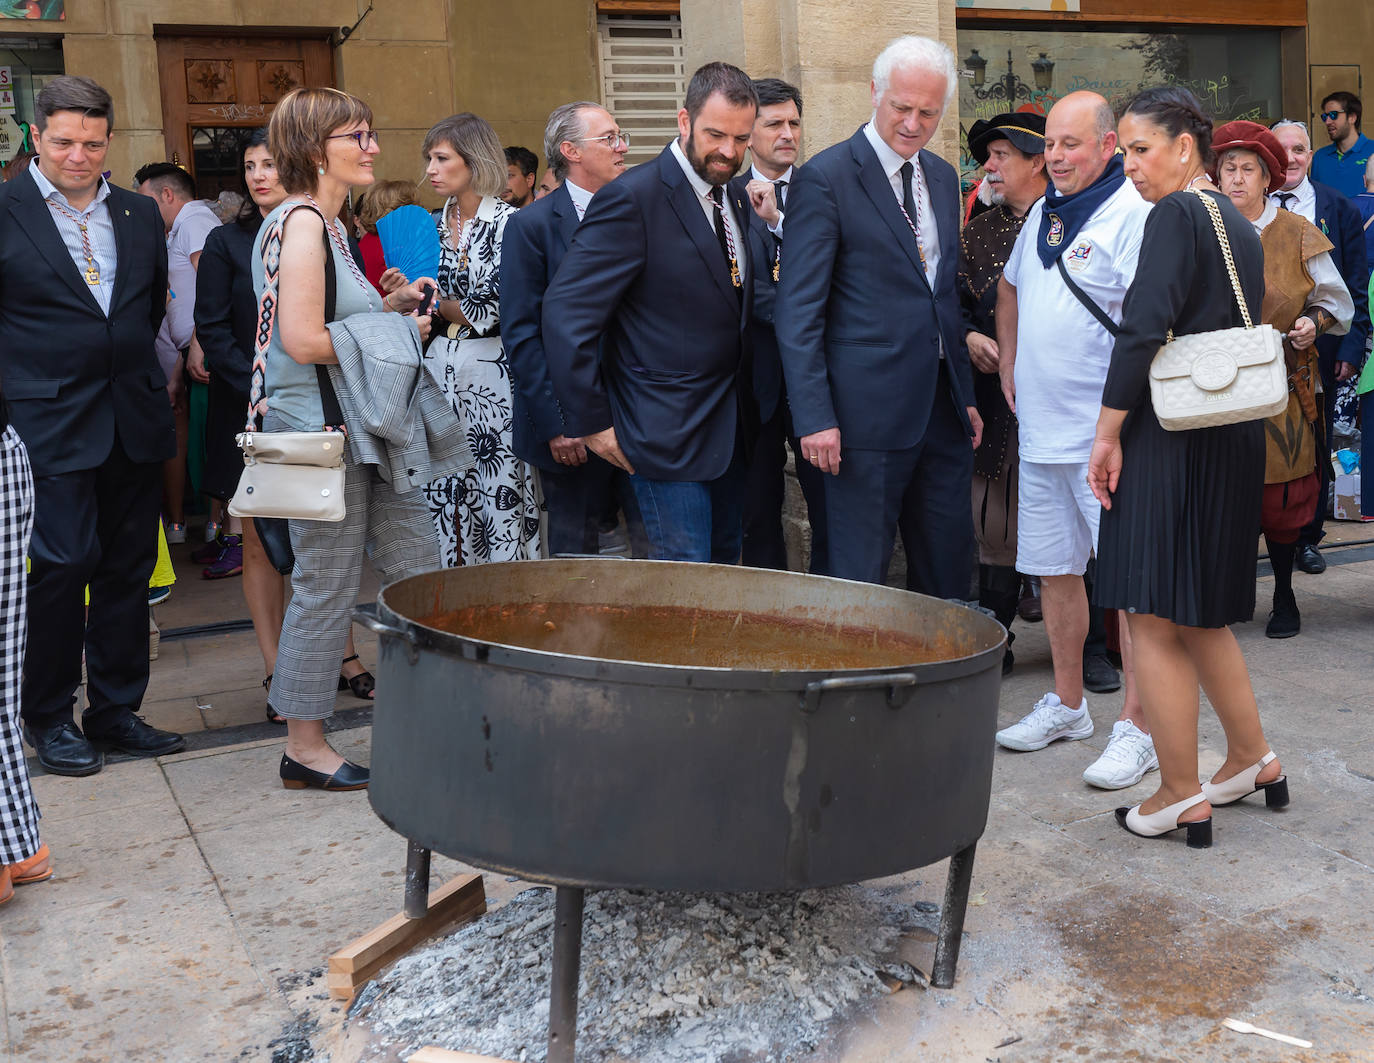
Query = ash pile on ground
x=666 y=977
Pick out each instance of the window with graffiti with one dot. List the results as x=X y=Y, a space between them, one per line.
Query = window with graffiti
x=1235 y=73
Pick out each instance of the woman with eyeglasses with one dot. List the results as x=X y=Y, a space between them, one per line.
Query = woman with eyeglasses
x=493 y=512
x=323 y=145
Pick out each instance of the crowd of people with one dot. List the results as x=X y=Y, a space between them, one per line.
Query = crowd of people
x=606 y=343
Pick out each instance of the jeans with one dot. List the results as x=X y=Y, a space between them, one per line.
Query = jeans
x=694 y=520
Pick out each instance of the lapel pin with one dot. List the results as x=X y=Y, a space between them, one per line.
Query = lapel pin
x=126 y=214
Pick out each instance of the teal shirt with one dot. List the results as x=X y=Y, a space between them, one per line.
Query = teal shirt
x=293 y=390
x=1343 y=171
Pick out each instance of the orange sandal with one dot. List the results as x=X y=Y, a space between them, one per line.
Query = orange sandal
x=37 y=868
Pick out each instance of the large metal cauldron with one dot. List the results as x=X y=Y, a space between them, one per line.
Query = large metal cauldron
x=853 y=739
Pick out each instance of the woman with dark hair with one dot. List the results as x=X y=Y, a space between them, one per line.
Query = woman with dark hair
x=1176 y=549
x=492 y=513
x=323 y=144
x=227 y=325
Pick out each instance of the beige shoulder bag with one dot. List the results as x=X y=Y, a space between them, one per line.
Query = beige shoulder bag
x=1223 y=377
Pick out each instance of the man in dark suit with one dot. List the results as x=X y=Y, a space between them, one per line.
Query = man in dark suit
x=585 y=150
x=83 y=289
x=868 y=325
x=773 y=153
x=1338 y=357
x=644 y=326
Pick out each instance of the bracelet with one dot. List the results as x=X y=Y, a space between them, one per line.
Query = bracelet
x=386 y=302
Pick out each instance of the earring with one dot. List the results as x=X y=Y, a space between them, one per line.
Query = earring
x=321 y=171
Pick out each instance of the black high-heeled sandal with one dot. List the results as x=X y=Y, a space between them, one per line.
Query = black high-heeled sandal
x=272 y=716
x=362 y=685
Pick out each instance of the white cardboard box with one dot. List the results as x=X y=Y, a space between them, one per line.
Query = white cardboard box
x=1348 y=497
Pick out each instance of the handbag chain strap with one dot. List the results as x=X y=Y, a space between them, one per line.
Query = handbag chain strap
x=1215 y=214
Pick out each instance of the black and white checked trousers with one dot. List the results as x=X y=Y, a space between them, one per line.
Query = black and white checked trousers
x=18 y=810
x=395 y=531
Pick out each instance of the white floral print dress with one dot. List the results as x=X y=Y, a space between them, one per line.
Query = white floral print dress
x=493 y=512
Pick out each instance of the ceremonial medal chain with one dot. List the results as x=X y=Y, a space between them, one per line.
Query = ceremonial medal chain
x=92 y=274
x=730 y=245
x=916 y=225
x=464 y=237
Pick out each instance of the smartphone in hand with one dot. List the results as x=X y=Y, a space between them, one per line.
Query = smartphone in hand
x=427 y=303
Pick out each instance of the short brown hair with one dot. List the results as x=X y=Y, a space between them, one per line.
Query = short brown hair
x=381 y=199
x=299 y=128
x=70 y=92
x=477 y=143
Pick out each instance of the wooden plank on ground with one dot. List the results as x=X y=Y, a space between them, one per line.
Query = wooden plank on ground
x=446 y=1055
x=459 y=900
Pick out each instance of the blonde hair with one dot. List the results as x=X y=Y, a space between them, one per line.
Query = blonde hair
x=300 y=127
x=475 y=140
x=381 y=199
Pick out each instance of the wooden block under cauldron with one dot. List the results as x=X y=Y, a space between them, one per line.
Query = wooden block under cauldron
x=459 y=900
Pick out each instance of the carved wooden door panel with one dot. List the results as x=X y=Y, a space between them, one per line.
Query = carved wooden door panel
x=216 y=90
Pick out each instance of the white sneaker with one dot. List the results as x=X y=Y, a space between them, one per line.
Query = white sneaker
x=176 y=533
x=1050 y=720
x=1130 y=753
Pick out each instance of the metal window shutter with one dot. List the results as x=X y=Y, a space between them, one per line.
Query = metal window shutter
x=643 y=81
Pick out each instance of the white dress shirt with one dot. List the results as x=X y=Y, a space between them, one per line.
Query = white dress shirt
x=891 y=163
x=702 y=187
x=580 y=197
x=1306 y=201
x=99 y=229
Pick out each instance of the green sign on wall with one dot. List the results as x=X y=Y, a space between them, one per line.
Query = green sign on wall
x=43 y=10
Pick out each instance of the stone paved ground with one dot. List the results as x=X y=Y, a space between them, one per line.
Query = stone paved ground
x=193 y=895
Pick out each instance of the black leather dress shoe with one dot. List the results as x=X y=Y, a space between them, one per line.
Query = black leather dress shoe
x=1099 y=676
x=64 y=750
x=296 y=776
x=129 y=734
x=1310 y=559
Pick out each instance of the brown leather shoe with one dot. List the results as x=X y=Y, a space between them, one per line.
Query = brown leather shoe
x=37 y=868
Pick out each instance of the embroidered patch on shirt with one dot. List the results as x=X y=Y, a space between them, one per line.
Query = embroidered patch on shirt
x=1056 y=233
x=1078 y=257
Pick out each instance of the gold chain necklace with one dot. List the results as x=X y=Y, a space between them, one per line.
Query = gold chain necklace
x=92 y=274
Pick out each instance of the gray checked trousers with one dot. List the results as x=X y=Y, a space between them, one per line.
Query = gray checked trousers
x=18 y=811
x=398 y=535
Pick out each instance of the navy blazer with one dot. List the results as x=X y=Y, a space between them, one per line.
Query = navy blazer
x=73 y=377
x=644 y=330
x=1339 y=219
x=858 y=325
x=763 y=255
x=535 y=241
x=227 y=305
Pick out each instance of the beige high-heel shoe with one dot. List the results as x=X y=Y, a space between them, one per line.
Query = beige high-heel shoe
x=1157 y=824
x=1243 y=784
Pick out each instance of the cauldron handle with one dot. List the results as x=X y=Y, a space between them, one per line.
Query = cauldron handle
x=366 y=615
x=811 y=696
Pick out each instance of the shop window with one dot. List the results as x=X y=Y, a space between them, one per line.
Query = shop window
x=642 y=77
x=26 y=65
x=1235 y=72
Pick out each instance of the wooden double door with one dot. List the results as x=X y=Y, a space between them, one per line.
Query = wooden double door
x=217 y=90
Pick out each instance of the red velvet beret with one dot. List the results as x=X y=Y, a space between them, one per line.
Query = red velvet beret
x=1251 y=136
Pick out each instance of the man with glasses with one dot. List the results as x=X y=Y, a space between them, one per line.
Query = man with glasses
x=83 y=290
x=644 y=326
x=1338 y=357
x=585 y=150
x=1341 y=164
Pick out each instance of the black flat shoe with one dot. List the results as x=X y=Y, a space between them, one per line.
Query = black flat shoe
x=296 y=776
x=1099 y=676
x=1309 y=559
x=64 y=750
x=1285 y=621
x=272 y=716
x=362 y=684
x=129 y=734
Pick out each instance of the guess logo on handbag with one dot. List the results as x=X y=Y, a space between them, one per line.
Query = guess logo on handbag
x=1213 y=370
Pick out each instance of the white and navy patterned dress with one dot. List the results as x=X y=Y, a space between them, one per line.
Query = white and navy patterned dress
x=493 y=512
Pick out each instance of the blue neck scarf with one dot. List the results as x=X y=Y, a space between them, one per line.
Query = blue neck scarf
x=1062 y=216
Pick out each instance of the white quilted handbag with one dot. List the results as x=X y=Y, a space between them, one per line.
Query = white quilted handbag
x=1224 y=377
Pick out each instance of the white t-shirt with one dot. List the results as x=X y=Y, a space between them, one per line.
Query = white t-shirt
x=1062 y=352
x=194 y=223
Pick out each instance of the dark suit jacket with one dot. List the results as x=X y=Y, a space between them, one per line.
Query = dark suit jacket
x=1340 y=220
x=73 y=377
x=763 y=254
x=535 y=241
x=644 y=331
x=858 y=325
x=226 y=304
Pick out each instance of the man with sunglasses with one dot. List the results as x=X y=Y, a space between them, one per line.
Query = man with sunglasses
x=1341 y=164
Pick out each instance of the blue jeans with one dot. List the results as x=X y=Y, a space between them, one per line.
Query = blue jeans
x=694 y=520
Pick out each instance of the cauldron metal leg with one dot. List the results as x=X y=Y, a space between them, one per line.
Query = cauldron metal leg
x=952 y=917
x=417 y=880
x=567 y=967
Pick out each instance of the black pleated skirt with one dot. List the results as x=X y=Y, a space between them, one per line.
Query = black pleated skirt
x=1181 y=539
